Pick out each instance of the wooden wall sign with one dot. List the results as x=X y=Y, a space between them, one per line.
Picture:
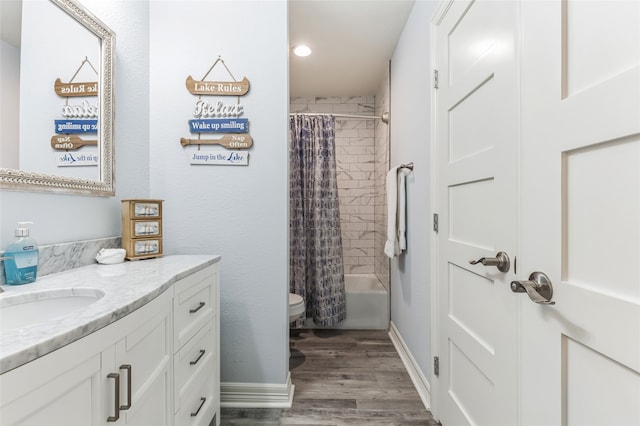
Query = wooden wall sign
x=67 y=142
x=80 y=118
x=227 y=141
x=219 y=118
x=220 y=88
x=76 y=89
x=72 y=88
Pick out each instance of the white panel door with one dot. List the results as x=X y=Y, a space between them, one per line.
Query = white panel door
x=581 y=211
x=477 y=142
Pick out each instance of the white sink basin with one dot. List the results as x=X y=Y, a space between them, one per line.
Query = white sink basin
x=26 y=309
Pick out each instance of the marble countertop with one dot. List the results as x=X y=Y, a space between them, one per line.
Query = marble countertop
x=127 y=286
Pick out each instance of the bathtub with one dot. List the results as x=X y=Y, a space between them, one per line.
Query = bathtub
x=367 y=304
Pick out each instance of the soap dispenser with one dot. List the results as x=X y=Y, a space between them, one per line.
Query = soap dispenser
x=21 y=257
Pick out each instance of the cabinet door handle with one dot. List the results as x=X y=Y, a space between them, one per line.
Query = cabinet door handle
x=202 y=401
x=128 y=368
x=195 y=361
x=116 y=377
x=194 y=310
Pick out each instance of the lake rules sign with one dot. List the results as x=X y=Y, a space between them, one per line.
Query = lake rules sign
x=79 y=121
x=218 y=121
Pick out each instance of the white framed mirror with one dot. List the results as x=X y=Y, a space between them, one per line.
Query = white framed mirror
x=89 y=47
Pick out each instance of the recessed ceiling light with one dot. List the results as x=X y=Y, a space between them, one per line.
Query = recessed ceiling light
x=301 y=50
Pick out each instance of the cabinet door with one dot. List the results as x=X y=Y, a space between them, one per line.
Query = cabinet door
x=50 y=391
x=143 y=359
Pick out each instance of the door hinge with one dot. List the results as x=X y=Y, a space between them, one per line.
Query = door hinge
x=435 y=222
x=435 y=79
x=436 y=365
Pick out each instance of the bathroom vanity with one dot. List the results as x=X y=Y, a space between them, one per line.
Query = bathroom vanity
x=142 y=349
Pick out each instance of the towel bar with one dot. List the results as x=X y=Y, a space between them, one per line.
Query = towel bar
x=407 y=166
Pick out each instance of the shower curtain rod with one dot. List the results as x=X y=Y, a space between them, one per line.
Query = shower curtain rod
x=384 y=117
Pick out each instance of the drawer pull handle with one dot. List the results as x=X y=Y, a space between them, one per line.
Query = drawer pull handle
x=116 y=377
x=128 y=368
x=202 y=401
x=195 y=361
x=194 y=310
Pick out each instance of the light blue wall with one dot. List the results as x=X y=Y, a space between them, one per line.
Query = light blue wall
x=238 y=212
x=410 y=135
x=64 y=218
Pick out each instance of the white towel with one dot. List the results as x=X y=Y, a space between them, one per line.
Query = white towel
x=396 y=212
x=391 y=248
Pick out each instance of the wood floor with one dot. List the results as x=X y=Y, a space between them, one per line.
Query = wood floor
x=342 y=377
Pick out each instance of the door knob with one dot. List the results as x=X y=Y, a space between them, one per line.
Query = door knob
x=538 y=288
x=501 y=261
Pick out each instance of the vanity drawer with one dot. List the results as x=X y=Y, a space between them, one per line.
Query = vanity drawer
x=190 y=360
x=193 y=305
x=196 y=404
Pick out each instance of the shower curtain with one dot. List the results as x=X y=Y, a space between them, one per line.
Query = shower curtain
x=316 y=270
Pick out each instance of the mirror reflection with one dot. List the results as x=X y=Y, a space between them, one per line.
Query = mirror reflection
x=66 y=57
x=56 y=112
x=10 y=35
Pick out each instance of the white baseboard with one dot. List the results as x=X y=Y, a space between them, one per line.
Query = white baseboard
x=415 y=373
x=257 y=395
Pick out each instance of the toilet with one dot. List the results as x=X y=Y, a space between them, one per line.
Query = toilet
x=296 y=307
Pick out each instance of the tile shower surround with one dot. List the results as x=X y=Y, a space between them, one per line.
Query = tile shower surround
x=62 y=257
x=356 y=165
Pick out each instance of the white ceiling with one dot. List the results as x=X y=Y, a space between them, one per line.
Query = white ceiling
x=352 y=42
